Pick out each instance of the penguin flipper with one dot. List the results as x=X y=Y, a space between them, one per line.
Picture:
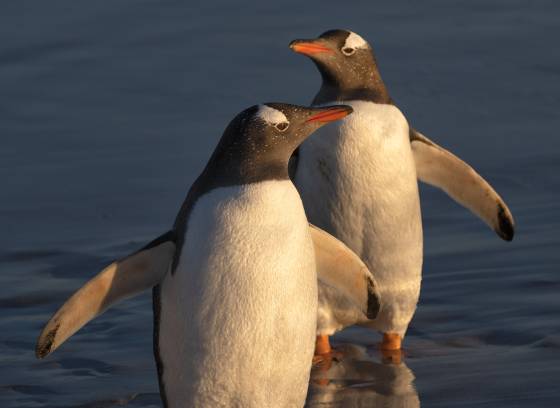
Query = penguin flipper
x=120 y=280
x=343 y=271
x=440 y=168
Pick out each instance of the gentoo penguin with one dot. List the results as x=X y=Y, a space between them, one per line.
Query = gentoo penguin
x=358 y=179
x=235 y=298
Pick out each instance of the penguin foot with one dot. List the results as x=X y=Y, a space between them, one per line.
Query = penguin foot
x=324 y=353
x=391 y=341
x=392 y=356
x=323 y=362
x=322 y=345
x=390 y=348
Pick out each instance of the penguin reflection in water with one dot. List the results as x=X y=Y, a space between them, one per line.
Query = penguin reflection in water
x=358 y=380
x=358 y=181
x=236 y=280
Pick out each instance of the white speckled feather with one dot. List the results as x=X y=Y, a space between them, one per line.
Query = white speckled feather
x=271 y=115
x=355 y=41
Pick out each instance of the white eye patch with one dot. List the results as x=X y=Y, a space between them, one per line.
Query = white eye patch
x=355 y=41
x=271 y=115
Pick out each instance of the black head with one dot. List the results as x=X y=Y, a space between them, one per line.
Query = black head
x=347 y=65
x=259 y=141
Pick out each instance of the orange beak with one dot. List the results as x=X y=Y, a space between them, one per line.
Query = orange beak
x=331 y=114
x=309 y=47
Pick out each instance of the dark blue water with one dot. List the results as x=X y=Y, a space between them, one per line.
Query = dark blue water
x=108 y=110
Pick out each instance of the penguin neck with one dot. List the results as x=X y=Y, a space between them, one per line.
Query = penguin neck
x=225 y=170
x=336 y=88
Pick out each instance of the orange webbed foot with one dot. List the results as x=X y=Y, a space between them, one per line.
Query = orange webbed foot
x=324 y=353
x=391 y=348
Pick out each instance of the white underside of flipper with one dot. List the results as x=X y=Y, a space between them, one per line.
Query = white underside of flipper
x=357 y=180
x=440 y=168
x=120 y=280
x=238 y=316
x=348 y=293
x=336 y=312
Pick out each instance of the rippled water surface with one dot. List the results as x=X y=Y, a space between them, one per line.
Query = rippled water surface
x=108 y=110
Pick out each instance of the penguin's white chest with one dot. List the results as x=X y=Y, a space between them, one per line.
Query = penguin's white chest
x=238 y=316
x=357 y=180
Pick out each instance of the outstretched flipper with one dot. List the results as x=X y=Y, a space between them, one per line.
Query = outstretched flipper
x=346 y=286
x=120 y=280
x=341 y=274
x=440 y=168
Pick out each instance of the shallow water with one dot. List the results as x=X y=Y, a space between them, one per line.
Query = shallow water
x=108 y=110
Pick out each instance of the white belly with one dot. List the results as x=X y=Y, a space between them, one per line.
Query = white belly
x=238 y=317
x=357 y=180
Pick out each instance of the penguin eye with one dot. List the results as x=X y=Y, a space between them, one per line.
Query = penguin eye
x=348 y=51
x=282 y=126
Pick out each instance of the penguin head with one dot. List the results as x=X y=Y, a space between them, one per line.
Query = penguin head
x=345 y=60
x=258 y=142
x=279 y=128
